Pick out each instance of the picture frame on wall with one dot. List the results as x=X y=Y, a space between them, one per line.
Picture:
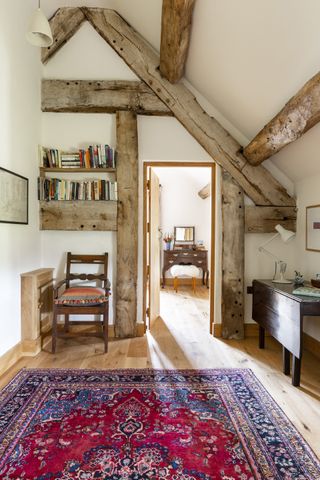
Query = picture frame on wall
x=14 y=191
x=313 y=228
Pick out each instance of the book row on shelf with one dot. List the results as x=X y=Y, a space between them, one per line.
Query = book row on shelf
x=95 y=156
x=60 y=189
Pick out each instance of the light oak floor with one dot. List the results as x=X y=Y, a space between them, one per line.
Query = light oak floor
x=179 y=338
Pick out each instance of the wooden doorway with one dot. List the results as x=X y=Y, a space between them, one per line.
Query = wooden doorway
x=151 y=274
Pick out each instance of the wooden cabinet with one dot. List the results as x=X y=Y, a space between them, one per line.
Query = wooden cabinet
x=199 y=258
x=36 y=308
x=78 y=215
x=279 y=311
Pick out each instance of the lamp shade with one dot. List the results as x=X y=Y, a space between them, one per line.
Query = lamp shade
x=285 y=234
x=39 y=33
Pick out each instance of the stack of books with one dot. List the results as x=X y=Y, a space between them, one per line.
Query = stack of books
x=95 y=156
x=59 y=189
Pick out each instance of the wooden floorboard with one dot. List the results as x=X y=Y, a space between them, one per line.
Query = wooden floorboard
x=180 y=339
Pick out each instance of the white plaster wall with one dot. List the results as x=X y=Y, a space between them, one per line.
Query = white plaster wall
x=68 y=131
x=96 y=61
x=160 y=139
x=308 y=263
x=180 y=203
x=19 y=136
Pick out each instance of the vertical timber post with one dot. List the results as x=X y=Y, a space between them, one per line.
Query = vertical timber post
x=232 y=257
x=127 y=235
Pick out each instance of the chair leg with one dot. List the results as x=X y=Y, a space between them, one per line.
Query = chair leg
x=193 y=284
x=66 y=323
x=54 y=333
x=175 y=284
x=106 y=328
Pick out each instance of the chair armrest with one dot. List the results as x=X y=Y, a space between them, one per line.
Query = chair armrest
x=57 y=287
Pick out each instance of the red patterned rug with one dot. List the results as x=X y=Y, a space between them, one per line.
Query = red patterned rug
x=147 y=424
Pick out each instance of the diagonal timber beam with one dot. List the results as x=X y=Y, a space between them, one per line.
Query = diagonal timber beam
x=64 y=24
x=175 y=37
x=97 y=96
x=300 y=114
x=257 y=182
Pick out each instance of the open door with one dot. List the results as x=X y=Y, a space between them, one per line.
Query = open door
x=153 y=247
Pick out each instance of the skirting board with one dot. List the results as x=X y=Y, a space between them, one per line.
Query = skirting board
x=10 y=358
x=32 y=348
x=252 y=330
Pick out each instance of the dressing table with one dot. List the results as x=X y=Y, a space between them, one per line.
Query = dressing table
x=185 y=253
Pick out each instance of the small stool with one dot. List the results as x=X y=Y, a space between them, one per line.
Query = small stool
x=184 y=271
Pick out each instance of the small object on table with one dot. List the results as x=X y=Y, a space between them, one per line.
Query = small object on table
x=307 y=291
x=315 y=282
x=298 y=279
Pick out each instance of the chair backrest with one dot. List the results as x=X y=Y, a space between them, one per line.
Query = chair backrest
x=73 y=259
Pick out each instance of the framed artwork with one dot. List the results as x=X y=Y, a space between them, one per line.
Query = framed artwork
x=13 y=197
x=313 y=228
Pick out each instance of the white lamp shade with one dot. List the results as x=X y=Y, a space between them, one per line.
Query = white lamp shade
x=39 y=33
x=285 y=234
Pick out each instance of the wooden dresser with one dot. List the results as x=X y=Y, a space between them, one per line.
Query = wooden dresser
x=199 y=258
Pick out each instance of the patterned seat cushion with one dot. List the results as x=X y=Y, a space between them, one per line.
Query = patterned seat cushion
x=82 y=296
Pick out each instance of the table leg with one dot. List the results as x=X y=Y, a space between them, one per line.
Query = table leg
x=286 y=361
x=296 y=370
x=163 y=277
x=203 y=277
x=207 y=282
x=261 y=337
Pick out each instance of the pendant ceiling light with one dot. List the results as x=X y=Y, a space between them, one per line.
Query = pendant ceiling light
x=39 y=33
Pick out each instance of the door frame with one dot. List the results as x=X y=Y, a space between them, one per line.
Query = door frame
x=211 y=165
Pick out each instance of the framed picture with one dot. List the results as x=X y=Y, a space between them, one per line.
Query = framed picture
x=313 y=228
x=13 y=197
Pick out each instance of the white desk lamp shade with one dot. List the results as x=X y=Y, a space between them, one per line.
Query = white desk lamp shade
x=285 y=234
x=39 y=33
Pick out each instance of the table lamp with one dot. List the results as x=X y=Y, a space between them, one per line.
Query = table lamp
x=280 y=266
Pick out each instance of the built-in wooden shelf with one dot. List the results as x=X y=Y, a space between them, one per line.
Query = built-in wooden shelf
x=78 y=215
x=77 y=170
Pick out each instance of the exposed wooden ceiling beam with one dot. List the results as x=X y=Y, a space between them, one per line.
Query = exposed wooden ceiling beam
x=96 y=96
x=257 y=182
x=175 y=37
x=300 y=114
x=205 y=192
x=64 y=24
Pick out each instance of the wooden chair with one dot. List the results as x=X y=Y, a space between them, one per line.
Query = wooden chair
x=82 y=299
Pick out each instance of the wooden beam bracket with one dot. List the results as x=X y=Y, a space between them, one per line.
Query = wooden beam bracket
x=98 y=96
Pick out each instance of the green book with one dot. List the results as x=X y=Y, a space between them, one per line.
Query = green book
x=307 y=291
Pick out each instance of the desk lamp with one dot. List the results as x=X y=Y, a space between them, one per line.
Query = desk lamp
x=280 y=266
